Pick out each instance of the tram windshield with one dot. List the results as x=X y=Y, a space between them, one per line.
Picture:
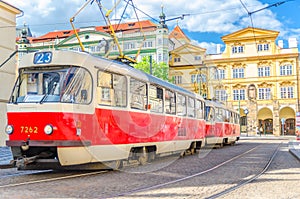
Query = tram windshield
x=68 y=84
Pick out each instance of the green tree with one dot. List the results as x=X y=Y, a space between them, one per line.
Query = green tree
x=160 y=70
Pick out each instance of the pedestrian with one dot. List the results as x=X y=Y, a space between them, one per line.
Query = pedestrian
x=261 y=129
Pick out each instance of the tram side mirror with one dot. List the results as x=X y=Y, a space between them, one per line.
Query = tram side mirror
x=84 y=95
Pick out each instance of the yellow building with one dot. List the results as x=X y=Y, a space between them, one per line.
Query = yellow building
x=8 y=70
x=186 y=62
x=256 y=75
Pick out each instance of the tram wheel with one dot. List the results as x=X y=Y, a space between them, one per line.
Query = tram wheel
x=143 y=157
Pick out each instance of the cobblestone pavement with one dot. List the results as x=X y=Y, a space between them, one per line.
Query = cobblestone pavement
x=280 y=180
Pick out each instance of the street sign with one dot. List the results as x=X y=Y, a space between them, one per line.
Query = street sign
x=246 y=111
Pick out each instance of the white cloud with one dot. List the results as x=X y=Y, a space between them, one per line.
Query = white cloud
x=215 y=16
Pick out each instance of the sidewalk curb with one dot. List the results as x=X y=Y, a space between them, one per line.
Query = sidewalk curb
x=294 y=149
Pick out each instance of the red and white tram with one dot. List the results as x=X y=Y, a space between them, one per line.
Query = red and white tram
x=222 y=124
x=72 y=108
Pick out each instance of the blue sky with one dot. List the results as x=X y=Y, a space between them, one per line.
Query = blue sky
x=207 y=22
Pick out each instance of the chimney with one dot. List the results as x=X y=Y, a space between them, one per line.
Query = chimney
x=218 y=48
x=293 y=42
x=280 y=43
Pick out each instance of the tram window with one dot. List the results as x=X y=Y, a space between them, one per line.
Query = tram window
x=77 y=86
x=199 y=109
x=156 y=99
x=112 y=89
x=191 y=107
x=138 y=94
x=170 y=102
x=181 y=105
x=68 y=84
x=219 y=115
x=209 y=113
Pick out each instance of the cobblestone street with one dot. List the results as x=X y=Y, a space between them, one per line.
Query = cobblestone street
x=203 y=175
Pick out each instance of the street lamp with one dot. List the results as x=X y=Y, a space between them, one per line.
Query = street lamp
x=246 y=111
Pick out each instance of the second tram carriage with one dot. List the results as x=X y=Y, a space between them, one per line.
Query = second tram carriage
x=71 y=108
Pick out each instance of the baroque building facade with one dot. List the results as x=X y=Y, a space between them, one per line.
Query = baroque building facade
x=255 y=76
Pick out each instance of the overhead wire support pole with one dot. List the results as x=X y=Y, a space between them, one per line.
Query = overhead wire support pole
x=113 y=34
x=72 y=19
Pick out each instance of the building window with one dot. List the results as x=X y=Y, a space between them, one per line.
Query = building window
x=129 y=45
x=177 y=79
x=93 y=48
x=262 y=47
x=264 y=71
x=221 y=95
x=177 y=59
x=287 y=92
x=220 y=74
x=197 y=58
x=286 y=70
x=159 y=42
x=148 y=44
x=237 y=49
x=159 y=57
x=238 y=73
x=239 y=94
x=264 y=93
x=198 y=78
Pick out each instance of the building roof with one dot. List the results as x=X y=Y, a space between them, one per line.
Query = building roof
x=130 y=26
x=10 y=7
x=178 y=34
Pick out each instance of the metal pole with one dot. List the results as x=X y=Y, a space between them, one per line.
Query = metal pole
x=247 y=124
x=150 y=60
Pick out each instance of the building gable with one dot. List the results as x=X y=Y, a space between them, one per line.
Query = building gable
x=188 y=49
x=250 y=34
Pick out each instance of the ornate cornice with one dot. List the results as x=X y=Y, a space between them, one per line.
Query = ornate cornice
x=265 y=85
x=238 y=65
x=239 y=86
x=286 y=83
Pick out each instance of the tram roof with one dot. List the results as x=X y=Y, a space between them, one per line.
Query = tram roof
x=82 y=58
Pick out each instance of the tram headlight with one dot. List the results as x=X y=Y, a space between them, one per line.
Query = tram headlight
x=48 y=129
x=9 y=129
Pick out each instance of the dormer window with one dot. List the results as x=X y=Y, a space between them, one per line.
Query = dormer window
x=66 y=32
x=177 y=59
x=263 y=47
x=131 y=24
x=237 y=49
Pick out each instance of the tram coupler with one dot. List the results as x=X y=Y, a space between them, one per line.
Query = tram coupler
x=22 y=162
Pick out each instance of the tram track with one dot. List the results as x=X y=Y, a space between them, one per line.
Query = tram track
x=49 y=179
x=249 y=180
x=188 y=177
x=161 y=184
x=24 y=173
x=64 y=177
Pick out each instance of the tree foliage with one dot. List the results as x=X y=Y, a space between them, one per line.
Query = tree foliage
x=160 y=70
